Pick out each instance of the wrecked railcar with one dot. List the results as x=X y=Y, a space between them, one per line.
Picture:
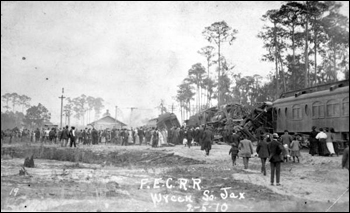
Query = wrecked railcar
x=164 y=121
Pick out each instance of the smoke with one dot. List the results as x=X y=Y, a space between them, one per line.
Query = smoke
x=141 y=117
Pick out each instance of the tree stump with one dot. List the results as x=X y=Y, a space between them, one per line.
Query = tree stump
x=21 y=172
x=29 y=162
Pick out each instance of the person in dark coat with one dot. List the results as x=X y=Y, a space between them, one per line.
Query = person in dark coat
x=207 y=139
x=200 y=136
x=275 y=149
x=141 y=134
x=263 y=153
x=345 y=160
x=37 y=135
x=189 y=137
x=52 y=135
x=124 y=137
x=65 y=136
x=113 y=136
x=196 y=135
x=93 y=135
x=313 y=142
x=155 y=138
x=234 y=153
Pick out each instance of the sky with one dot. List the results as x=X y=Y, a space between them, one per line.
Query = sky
x=131 y=54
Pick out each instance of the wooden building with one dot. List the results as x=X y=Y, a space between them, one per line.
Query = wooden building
x=107 y=122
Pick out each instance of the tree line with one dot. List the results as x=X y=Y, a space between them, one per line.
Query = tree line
x=35 y=116
x=308 y=43
x=29 y=116
x=81 y=108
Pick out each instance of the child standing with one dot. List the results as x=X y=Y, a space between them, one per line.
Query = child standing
x=295 y=149
x=234 y=153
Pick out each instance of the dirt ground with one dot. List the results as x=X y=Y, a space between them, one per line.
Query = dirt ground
x=115 y=178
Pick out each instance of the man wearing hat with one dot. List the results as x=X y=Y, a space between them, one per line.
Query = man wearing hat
x=275 y=149
x=263 y=152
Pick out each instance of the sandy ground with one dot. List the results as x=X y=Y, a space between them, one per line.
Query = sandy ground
x=311 y=185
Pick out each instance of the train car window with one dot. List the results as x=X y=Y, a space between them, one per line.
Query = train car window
x=317 y=110
x=345 y=106
x=306 y=110
x=286 y=112
x=279 y=113
x=296 y=112
x=333 y=108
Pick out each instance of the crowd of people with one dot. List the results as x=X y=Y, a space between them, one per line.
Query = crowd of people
x=278 y=149
x=271 y=147
x=202 y=136
x=322 y=142
x=91 y=136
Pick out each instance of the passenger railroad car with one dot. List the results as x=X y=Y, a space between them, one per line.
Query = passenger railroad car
x=315 y=107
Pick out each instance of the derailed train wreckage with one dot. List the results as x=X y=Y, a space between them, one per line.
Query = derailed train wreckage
x=234 y=116
x=323 y=106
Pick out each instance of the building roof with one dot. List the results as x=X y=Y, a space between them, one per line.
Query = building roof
x=107 y=120
x=48 y=123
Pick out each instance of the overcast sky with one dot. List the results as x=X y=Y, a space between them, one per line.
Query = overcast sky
x=131 y=54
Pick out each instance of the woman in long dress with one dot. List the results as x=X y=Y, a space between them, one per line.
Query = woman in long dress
x=322 y=137
x=329 y=142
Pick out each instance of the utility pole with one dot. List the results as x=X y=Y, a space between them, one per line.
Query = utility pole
x=62 y=97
